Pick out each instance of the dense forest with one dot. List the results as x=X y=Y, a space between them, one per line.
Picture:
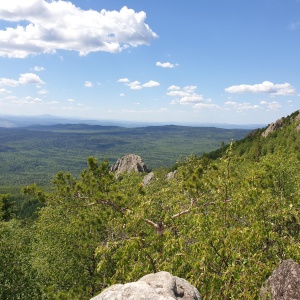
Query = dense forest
x=229 y=218
x=36 y=153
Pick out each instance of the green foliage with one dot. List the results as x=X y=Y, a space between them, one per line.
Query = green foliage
x=36 y=154
x=229 y=218
x=5 y=207
x=17 y=277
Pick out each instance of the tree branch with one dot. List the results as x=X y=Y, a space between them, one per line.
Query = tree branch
x=185 y=211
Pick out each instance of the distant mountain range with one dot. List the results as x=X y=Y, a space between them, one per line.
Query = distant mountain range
x=11 y=121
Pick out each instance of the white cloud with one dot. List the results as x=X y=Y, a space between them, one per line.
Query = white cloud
x=190 y=88
x=136 y=85
x=265 y=87
x=206 y=106
x=274 y=105
x=178 y=93
x=173 y=88
x=60 y=25
x=26 y=78
x=191 y=99
x=165 y=65
x=241 y=107
x=43 y=92
x=30 y=78
x=71 y=100
x=4 y=91
x=124 y=80
x=88 y=84
x=38 y=69
x=122 y=95
x=151 y=83
x=26 y=100
x=186 y=95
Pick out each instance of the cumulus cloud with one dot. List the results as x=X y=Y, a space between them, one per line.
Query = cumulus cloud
x=60 y=25
x=165 y=65
x=124 y=80
x=187 y=95
x=207 y=106
x=88 y=84
x=173 y=88
x=266 y=87
x=151 y=83
x=43 y=92
x=26 y=78
x=273 y=105
x=4 y=92
x=38 y=69
x=241 y=107
x=25 y=100
x=136 y=85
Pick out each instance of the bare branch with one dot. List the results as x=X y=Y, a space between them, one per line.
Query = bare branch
x=159 y=226
x=154 y=225
x=185 y=211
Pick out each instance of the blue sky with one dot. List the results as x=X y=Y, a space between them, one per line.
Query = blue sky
x=166 y=61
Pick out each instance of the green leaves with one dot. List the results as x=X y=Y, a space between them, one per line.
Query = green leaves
x=227 y=224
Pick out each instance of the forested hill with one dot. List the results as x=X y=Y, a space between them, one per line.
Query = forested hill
x=36 y=153
x=281 y=136
x=222 y=220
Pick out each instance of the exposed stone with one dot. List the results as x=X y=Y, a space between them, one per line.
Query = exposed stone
x=147 y=178
x=273 y=127
x=129 y=163
x=158 y=286
x=171 y=175
x=284 y=283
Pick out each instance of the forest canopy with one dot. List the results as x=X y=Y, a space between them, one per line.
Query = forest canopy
x=229 y=218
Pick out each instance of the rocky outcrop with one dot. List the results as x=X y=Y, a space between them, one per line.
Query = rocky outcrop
x=273 y=127
x=284 y=283
x=148 y=178
x=129 y=163
x=171 y=175
x=158 y=286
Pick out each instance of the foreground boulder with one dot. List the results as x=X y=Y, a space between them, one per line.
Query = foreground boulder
x=129 y=163
x=158 y=286
x=284 y=283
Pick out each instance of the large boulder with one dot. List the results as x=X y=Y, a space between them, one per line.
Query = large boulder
x=158 y=286
x=129 y=163
x=284 y=283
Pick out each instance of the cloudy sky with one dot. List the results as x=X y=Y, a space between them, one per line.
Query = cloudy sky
x=168 y=61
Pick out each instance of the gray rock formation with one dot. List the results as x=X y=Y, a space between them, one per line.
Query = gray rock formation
x=158 y=286
x=272 y=127
x=129 y=163
x=171 y=175
x=284 y=283
x=148 y=178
